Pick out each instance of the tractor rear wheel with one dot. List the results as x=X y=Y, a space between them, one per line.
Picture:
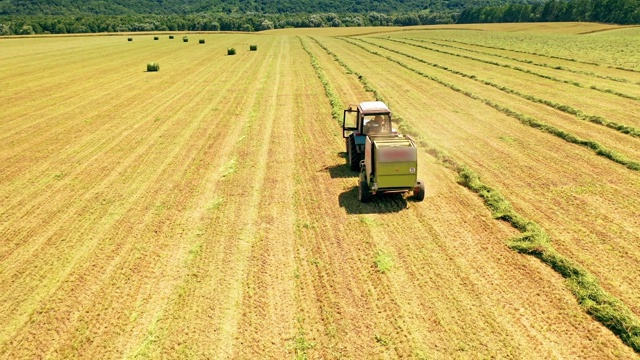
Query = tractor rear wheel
x=419 y=193
x=363 y=192
x=353 y=158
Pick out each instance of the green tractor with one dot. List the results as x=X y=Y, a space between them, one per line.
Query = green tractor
x=388 y=161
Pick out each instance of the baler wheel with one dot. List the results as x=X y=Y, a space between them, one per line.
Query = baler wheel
x=363 y=192
x=419 y=193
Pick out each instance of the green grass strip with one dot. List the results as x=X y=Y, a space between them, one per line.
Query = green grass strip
x=336 y=104
x=524 y=119
x=533 y=240
x=523 y=52
x=596 y=119
x=526 y=71
x=368 y=88
x=525 y=61
x=543 y=55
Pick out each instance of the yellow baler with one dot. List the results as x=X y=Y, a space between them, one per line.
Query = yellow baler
x=390 y=165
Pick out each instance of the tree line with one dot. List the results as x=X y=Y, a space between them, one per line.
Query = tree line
x=607 y=11
x=622 y=12
x=64 y=24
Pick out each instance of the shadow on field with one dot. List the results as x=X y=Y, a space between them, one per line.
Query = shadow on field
x=380 y=204
x=341 y=171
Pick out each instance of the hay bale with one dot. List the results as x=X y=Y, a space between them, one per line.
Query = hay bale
x=201 y=41
x=153 y=66
x=231 y=51
x=185 y=39
x=171 y=37
x=253 y=47
x=156 y=38
x=129 y=39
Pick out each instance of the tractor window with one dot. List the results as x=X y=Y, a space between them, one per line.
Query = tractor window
x=377 y=124
x=351 y=120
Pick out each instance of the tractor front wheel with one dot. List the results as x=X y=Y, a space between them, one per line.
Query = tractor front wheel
x=363 y=192
x=353 y=159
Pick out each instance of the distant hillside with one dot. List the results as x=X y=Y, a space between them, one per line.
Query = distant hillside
x=186 y=7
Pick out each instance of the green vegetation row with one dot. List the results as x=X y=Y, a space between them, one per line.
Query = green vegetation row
x=533 y=240
x=523 y=52
x=526 y=71
x=336 y=104
x=543 y=55
x=605 y=11
x=524 y=119
x=526 y=61
x=368 y=88
x=596 y=119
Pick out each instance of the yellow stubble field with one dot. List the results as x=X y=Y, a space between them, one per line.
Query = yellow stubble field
x=206 y=211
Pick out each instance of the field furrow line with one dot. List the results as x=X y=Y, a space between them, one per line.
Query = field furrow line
x=122 y=123
x=583 y=285
x=398 y=342
x=120 y=223
x=382 y=338
x=179 y=135
x=523 y=118
x=525 y=61
x=267 y=320
x=209 y=300
x=617 y=76
x=97 y=156
x=548 y=189
x=579 y=114
x=105 y=75
x=530 y=72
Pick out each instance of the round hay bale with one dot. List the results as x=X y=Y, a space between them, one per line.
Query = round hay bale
x=156 y=38
x=253 y=47
x=201 y=41
x=153 y=66
x=231 y=51
x=129 y=39
x=185 y=39
x=170 y=36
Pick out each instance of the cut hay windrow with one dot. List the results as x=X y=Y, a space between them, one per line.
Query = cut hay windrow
x=525 y=52
x=526 y=71
x=336 y=104
x=376 y=95
x=596 y=119
x=524 y=119
x=592 y=298
x=525 y=61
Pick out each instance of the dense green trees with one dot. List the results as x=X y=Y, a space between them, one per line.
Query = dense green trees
x=94 y=16
x=63 y=24
x=607 y=11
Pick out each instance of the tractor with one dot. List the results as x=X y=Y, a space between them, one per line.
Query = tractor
x=387 y=161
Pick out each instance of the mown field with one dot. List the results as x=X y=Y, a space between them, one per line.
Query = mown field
x=206 y=211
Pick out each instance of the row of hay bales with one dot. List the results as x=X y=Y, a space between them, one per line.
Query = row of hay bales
x=230 y=51
x=154 y=66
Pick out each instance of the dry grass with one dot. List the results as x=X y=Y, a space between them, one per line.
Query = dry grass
x=207 y=212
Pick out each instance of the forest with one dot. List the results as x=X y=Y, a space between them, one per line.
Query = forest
x=622 y=12
x=74 y=16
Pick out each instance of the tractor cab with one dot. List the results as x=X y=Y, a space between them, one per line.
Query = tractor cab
x=359 y=121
